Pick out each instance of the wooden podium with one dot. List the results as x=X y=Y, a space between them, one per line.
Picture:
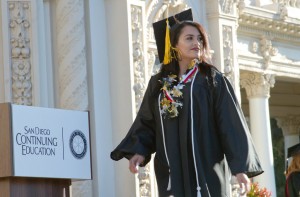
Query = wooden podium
x=42 y=150
x=34 y=187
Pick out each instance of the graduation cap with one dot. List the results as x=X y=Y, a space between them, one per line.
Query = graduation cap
x=293 y=150
x=162 y=34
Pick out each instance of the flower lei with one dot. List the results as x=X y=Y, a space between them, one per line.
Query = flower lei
x=172 y=94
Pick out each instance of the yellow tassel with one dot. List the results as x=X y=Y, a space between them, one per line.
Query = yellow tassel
x=191 y=64
x=167 y=56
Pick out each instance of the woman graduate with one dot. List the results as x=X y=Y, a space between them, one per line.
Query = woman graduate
x=292 y=187
x=190 y=118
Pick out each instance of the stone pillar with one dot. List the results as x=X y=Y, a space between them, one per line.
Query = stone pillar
x=222 y=19
x=20 y=46
x=71 y=66
x=138 y=41
x=258 y=86
x=121 y=78
x=290 y=126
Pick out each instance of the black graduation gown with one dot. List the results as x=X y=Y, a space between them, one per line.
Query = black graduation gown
x=221 y=138
x=293 y=185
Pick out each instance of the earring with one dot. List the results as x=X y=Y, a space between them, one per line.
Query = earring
x=177 y=54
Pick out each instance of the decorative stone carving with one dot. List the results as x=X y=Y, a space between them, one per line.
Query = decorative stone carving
x=291 y=3
x=283 y=8
x=241 y=4
x=254 y=28
x=228 y=53
x=145 y=181
x=270 y=25
x=19 y=26
x=155 y=11
x=176 y=6
x=283 y=12
x=139 y=84
x=267 y=51
x=138 y=54
x=175 y=3
x=290 y=124
x=226 y=6
x=257 y=84
x=152 y=67
x=254 y=47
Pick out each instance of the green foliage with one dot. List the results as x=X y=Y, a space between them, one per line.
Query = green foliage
x=278 y=154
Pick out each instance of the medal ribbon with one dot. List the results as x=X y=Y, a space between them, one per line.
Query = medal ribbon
x=189 y=75
x=168 y=96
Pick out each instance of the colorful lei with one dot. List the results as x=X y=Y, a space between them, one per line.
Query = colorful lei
x=172 y=94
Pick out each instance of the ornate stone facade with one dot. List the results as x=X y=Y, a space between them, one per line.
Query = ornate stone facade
x=20 y=40
x=227 y=6
x=139 y=66
x=140 y=70
x=262 y=37
x=267 y=51
x=290 y=124
x=257 y=84
x=272 y=43
x=228 y=53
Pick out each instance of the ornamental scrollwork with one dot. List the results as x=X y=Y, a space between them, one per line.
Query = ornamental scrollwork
x=226 y=6
x=19 y=26
x=138 y=54
x=257 y=84
x=290 y=124
x=267 y=51
x=228 y=51
x=139 y=84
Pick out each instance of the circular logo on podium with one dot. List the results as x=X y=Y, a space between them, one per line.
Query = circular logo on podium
x=78 y=144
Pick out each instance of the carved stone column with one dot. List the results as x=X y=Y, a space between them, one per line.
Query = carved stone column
x=146 y=174
x=71 y=68
x=258 y=92
x=290 y=126
x=20 y=42
x=222 y=18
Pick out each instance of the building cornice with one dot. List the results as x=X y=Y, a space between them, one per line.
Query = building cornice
x=272 y=40
x=279 y=68
x=259 y=24
x=257 y=20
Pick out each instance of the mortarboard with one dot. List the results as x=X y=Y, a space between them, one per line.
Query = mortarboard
x=161 y=33
x=293 y=150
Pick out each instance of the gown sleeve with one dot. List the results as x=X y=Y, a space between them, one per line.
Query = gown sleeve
x=234 y=133
x=140 y=138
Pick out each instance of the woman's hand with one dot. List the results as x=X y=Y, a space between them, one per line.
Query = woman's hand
x=134 y=162
x=244 y=182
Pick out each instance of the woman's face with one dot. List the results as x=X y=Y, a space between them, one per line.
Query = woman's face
x=189 y=43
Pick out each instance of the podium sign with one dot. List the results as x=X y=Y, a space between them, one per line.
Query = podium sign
x=51 y=143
